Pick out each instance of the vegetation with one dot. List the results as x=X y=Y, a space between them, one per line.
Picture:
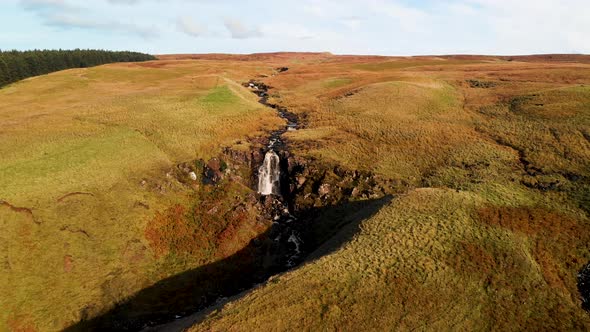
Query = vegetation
x=18 y=65
x=96 y=206
x=496 y=228
x=429 y=260
x=87 y=156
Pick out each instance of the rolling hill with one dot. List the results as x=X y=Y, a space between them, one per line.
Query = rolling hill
x=431 y=193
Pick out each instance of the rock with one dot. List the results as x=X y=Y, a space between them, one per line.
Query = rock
x=214 y=164
x=301 y=181
x=193 y=176
x=374 y=196
x=212 y=171
x=324 y=189
x=240 y=209
x=213 y=210
x=481 y=84
x=355 y=175
x=257 y=157
x=341 y=172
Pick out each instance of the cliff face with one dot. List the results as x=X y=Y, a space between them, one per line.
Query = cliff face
x=239 y=236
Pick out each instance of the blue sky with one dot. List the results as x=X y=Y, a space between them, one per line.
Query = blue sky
x=387 y=27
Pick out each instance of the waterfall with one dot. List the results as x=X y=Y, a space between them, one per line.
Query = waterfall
x=269 y=175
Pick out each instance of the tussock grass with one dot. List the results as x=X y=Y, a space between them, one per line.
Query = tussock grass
x=427 y=261
x=497 y=229
x=491 y=235
x=410 y=63
x=76 y=146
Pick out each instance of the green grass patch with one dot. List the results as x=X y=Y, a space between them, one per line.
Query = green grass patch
x=220 y=96
x=336 y=82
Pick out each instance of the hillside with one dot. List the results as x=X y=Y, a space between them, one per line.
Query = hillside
x=437 y=193
x=492 y=232
x=16 y=65
x=89 y=160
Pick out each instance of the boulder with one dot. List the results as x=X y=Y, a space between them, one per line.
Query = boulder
x=324 y=189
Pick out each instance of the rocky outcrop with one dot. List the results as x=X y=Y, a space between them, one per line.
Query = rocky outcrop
x=481 y=84
x=315 y=184
x=584 y=286
x=315 y=198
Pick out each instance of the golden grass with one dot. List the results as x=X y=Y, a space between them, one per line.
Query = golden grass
x=491 y=236
x=496 y=238
x=427 y=261
x=76 y=146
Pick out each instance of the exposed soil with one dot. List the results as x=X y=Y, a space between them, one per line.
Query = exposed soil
x=27 y=211
x=73 y=194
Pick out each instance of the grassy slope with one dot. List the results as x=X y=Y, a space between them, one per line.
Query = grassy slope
x=426 y=261
x=498 y=236
x=494 y=242
x=76 y=146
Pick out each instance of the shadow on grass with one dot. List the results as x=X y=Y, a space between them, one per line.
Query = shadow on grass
x=263 y=257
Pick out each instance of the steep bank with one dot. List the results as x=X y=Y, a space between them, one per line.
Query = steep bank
x=307 y=203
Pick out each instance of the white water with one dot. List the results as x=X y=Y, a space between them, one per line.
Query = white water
x=293 y=238
x=269 y=175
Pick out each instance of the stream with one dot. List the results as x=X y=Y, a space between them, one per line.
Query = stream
x=272 y=177
x=287 y=245
x=308 y=203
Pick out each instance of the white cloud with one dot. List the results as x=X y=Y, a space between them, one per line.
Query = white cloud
x=287 y=31
x=68 y=21
x=39 y=5
x=314 y=9
x=43 y=2
x=381 y=26
x=351 y=22
x=239 y=30
x=124 y=2
x=538 y=26
x=188 y=26
x=409 y=19
x=64 y=15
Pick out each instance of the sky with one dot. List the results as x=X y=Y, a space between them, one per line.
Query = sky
x=383 y=27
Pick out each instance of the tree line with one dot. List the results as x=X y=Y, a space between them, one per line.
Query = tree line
x=17 y=65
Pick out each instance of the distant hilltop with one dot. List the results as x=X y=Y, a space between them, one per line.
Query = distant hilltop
x=580 y=58
x=246 y=57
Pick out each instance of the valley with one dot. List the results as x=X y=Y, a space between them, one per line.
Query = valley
x=315 y=191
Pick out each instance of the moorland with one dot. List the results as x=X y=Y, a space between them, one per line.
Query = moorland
x=439 y=193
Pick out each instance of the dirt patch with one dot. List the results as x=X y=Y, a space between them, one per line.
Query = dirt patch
x=69 y=228
x=24 y=210
x=68 y=263
x=76 y=193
